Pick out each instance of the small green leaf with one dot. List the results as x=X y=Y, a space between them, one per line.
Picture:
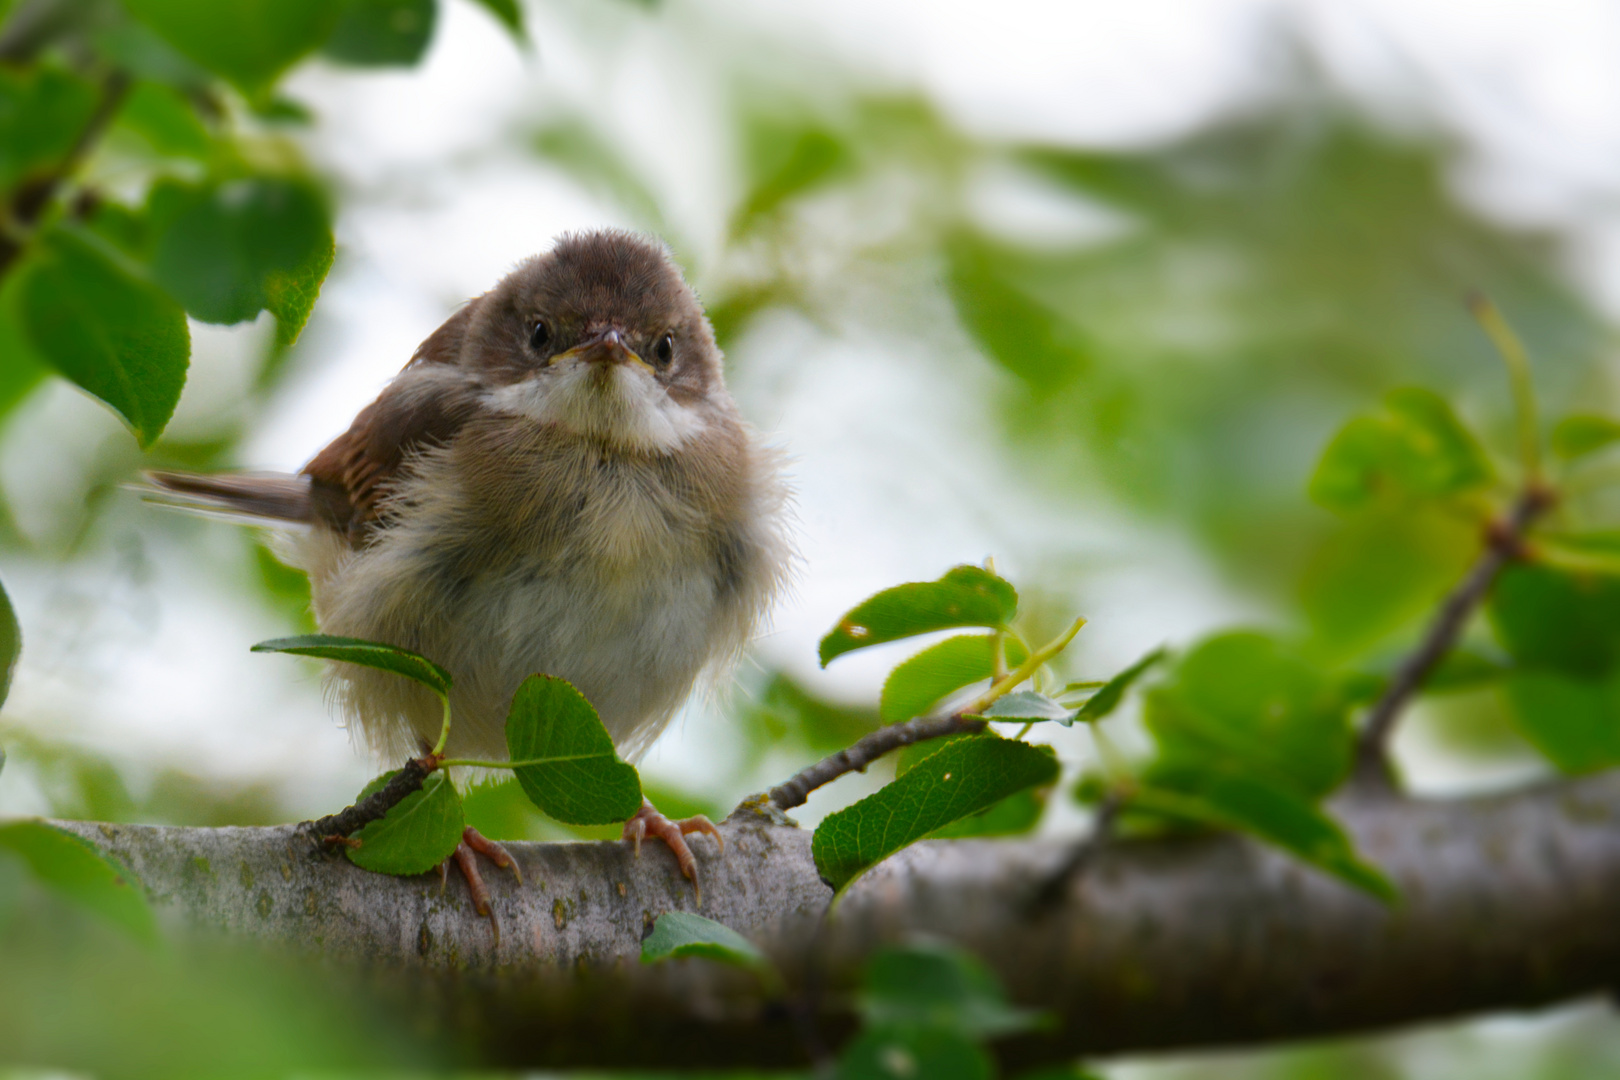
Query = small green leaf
x=1558 y=621
x=379 y=33
x=941 y=669
x=117 y=336
x=1577 y=436
x=228 y=251
x=43 y=110
x=82 y=873
x=508 y=14
x=249 y=42
x=1244 y=700
x=943 y=988
x=578 y=777
x=965 y=596
x=370 y=654
x=418 y=833
x=1107 y=699
x=1417 y=447
x=964 y=777
x=1016 y=815
x=164 y=119
x=1272 y=814
x=10 y=644
x=1574 y=721
x=913 y=1054
x=1016 y=329
x=681 y=933
x=1029 y=706
x=1580 y=553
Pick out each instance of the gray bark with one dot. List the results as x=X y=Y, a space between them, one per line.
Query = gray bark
x=1509 y=902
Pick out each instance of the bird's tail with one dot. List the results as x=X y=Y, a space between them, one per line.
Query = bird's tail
x=262 y=498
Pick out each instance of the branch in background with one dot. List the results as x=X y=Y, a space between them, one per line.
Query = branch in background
x=867 y=750
x=1508 y=903
x=1505 y=542
x=1082 y=854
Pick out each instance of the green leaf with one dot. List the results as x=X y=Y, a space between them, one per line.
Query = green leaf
x=508 y=14
x=1580 y=553
x=913 y=1054
x=418 y=833
x=1558 y=621
x=1574 y=721
x=164 y=119
x=1029 y=706
x=786 y=160
x=1014 y=328
x=43 y=110
x=1272 y=814
x=82 y=873
x=964 y=777
x=1016 y=815
x=249 y=42
x=1107 y=699
x=939 y=670
x=10 y=644
x=965 y=596
x=1417 y=447
x=119 y=337
x=681 y=933
x=228 y=251
x=1577 y=436
x=1244 y=701
x=942 y=988
x=380 y=33
x=370 y=654
x=578 y=778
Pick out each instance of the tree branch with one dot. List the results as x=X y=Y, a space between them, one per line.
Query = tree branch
x=1504 y=542
x=868 y=749
x=1508 y=903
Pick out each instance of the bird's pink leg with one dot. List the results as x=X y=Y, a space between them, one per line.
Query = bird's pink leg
x=466 y=855
x=649 y=822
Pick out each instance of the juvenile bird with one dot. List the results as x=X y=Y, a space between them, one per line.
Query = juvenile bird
x=557 y=482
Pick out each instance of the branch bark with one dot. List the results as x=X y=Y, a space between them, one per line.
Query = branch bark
x=1508 y=903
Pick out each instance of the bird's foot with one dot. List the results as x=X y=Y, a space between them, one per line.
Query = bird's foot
x=649 y=822
x=466 y=855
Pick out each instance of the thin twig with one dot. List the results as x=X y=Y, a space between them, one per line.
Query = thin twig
x=1052 y=888
x=1504 y=542
x=335 y=828
x=857 y=757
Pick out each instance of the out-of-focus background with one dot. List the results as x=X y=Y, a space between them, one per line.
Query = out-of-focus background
x=1082 y=287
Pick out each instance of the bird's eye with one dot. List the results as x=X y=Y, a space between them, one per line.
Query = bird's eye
x=664 y=351
x=540 y=335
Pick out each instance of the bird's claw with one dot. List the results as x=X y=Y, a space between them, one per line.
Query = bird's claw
x=473 y=844
x=649 y=822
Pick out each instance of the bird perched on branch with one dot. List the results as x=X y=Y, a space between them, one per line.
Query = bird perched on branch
x=558 y=482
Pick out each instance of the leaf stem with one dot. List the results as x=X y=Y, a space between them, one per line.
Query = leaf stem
x=1517 y=361
x=1002 y=686
x=444 y=731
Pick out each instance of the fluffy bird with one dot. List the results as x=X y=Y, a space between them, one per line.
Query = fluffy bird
x=557 y=482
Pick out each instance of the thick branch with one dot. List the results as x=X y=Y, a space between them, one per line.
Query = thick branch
x=856 y=758
x=1504 y=543
x=1508 y=903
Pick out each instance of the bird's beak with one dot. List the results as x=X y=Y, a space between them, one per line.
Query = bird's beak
x=603 y=347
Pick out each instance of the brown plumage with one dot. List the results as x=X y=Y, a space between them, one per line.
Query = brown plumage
x=556 y=482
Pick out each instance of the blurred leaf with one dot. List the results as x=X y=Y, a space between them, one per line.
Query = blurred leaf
x=228 y=251
x=144 y=53
x=10 y=644
x=249 y=42
x=21 y=367
x=1030 y=706
x=1417 y=447
x=579 y=148
x=580 y=779
x=381 y=33
x=965 y=596
x=1017 y=331
x=783 y=713
x=418 y=833
x=1577 y=436
x=941 y=988
x=500 y=810
x=1107 y=699
x=1273 y=814
x=370 y=654
x=118 y=337
x=508 y=14
x=939 y=670
x=785 y=160
x=1382 y=569
x=80 y=872
x=964 y=777
x=1562 y=622
x=43 y=110
x=1580 y=553
x=287 y=587
x=166 y=121
x=1574 y=721
x=679 y=934
x=1243 y=701
x=895 y=1054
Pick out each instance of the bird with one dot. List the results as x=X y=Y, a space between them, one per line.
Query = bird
x=558 y=482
